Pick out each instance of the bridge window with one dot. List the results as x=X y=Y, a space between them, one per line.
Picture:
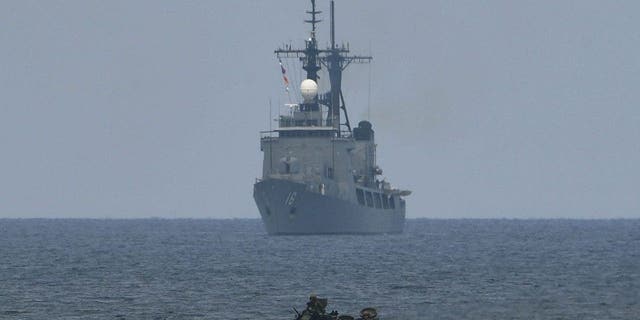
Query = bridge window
x=385 y=201
x=369 y=199
x=360 y=195
x=392 y=202
x=378 y=200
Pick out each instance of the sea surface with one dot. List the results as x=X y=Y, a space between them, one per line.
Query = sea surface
x=231 y=269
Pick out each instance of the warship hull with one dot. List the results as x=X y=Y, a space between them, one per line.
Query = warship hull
x=288 y=208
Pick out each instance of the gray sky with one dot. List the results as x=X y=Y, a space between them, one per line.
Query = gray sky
x=520 y=109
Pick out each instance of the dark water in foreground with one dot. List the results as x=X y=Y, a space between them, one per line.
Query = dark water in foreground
x=215 y=269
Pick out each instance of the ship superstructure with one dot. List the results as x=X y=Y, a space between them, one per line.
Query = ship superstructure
x=319 y=174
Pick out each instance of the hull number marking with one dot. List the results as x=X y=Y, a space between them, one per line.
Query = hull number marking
x=291 y=198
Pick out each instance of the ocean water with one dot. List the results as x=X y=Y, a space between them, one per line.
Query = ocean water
x=230 y=269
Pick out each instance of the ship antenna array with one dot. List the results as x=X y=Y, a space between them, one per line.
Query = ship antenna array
x=313 y=20
x=335 y=59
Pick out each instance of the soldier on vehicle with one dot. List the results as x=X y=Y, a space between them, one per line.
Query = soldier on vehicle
x=315 y=305
x=368 y=314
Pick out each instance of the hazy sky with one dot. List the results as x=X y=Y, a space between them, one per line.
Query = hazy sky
x=520 y=109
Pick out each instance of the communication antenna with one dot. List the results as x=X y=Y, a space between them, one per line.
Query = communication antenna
x=270 y=120
x=313 y=20
x=369 y=92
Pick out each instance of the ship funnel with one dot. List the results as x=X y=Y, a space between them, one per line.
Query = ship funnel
x=309 y=90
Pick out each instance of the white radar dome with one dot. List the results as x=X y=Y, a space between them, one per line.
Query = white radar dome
x=309 y=90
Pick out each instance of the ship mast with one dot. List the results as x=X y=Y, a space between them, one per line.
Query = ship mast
x=311 y=53
x=335 y=59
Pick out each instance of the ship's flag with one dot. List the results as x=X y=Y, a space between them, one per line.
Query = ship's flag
x=284 y=76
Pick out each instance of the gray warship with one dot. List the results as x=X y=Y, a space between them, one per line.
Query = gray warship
x=319 y=174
